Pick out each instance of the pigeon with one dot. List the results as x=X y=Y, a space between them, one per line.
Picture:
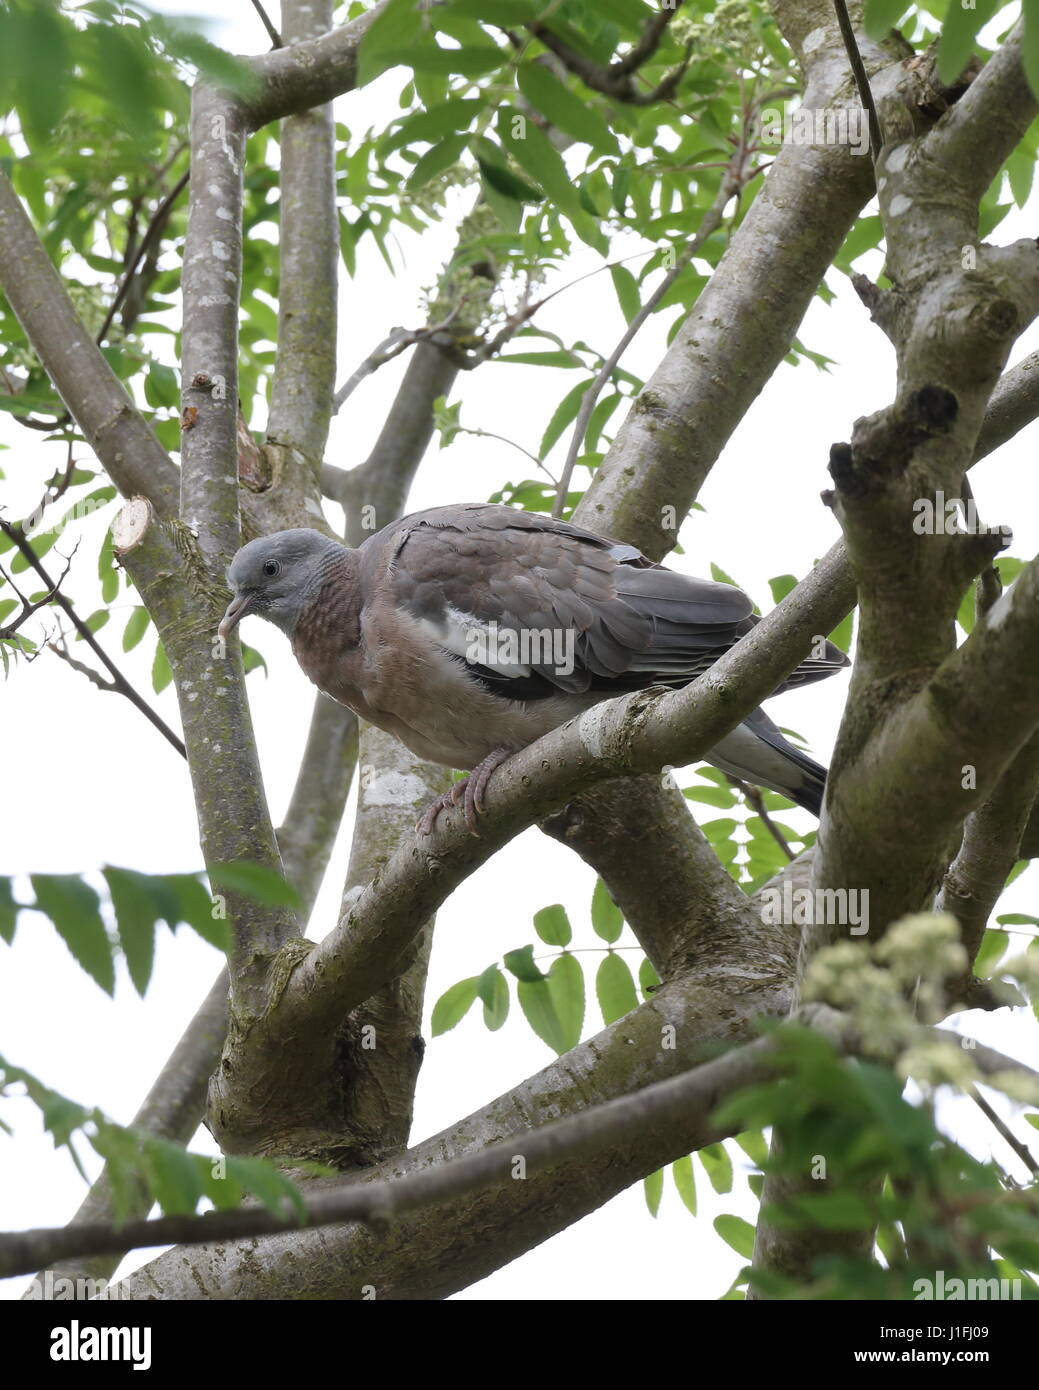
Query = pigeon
x=469 y=631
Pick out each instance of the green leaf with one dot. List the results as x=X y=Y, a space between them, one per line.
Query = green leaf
x=173 y=1176
x=718 y=1166
x=8 y=910
x=959 y=31
x=471 y=60
x=627 y=289
x=553 y=925
x=453 y=1005
x=161 y=673
x=737 y=1233
x=993 y=947
x=502 y=12
x=493 y=989
x=136 y=914
x=607 y=918
x=252 y=660
x=653 y=1187
x=182 y=898
x=685 y=1183
x=841 y=636
x=710 y=796
x=135 y=628
x=399 y=23
x=781 y=586
x=566 y=986
x=537 y=156
x=494 y=166
x=72 y=906
x=430 y=126
x=436 y=160
x=161 y=387
x=649 y=980
x=540 y=1012
x=882 y=15
x=564 y=109
x=752 y=1142
x=564 y=414
x=277 y=1193
x=614 y=988
x=521 y=964
x=257 y=881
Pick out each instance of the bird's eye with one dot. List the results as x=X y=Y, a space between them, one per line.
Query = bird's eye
x=271 y=567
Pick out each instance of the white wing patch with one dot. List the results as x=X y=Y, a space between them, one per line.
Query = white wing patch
x=478 y=642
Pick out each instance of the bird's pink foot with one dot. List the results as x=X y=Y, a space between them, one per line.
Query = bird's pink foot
x=470 y=791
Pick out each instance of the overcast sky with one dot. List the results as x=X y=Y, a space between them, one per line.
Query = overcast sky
x=89 y=782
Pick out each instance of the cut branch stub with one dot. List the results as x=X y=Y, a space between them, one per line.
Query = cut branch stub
x=131 y=526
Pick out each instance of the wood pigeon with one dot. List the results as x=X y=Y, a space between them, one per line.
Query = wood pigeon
x=469 y=631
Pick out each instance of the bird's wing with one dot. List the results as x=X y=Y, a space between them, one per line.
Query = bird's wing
x=533 y=606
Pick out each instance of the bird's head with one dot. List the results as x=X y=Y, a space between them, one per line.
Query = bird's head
x=277 y=576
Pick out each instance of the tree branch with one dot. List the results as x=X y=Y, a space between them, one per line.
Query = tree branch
x=304 y=371
x=210 y=286
x=683 y=1103
x=744 y=320
x=186 y=602
x=308 y=74
x=117 y=432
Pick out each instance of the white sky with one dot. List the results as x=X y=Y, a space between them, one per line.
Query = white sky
x=89 y=782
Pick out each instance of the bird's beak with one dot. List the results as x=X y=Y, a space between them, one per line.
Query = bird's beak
x=236 y=611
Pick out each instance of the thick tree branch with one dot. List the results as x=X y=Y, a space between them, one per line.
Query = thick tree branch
x=953 y=313
x=662 y=1035
x=211 y=284
x=304 y=371
x=745 y=318
x=683 y=1103
x=186 y=602
x=309 y=73
x=615 y=1139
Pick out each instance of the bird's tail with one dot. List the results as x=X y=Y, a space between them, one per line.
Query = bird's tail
x=757 y=752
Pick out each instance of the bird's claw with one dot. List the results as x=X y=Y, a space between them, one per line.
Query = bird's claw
x=469 y=791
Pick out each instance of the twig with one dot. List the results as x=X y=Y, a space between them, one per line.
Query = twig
x=489 y=434
x=28 y=609
x=649 y=41
x=711 y=221
x=398 y=340
x=60 y=649
x=754 y=798
x=858 y=67
x=14 y=533
x=615 y=81
x=1023 y=1153
x=272 y=33
x=155 y=225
